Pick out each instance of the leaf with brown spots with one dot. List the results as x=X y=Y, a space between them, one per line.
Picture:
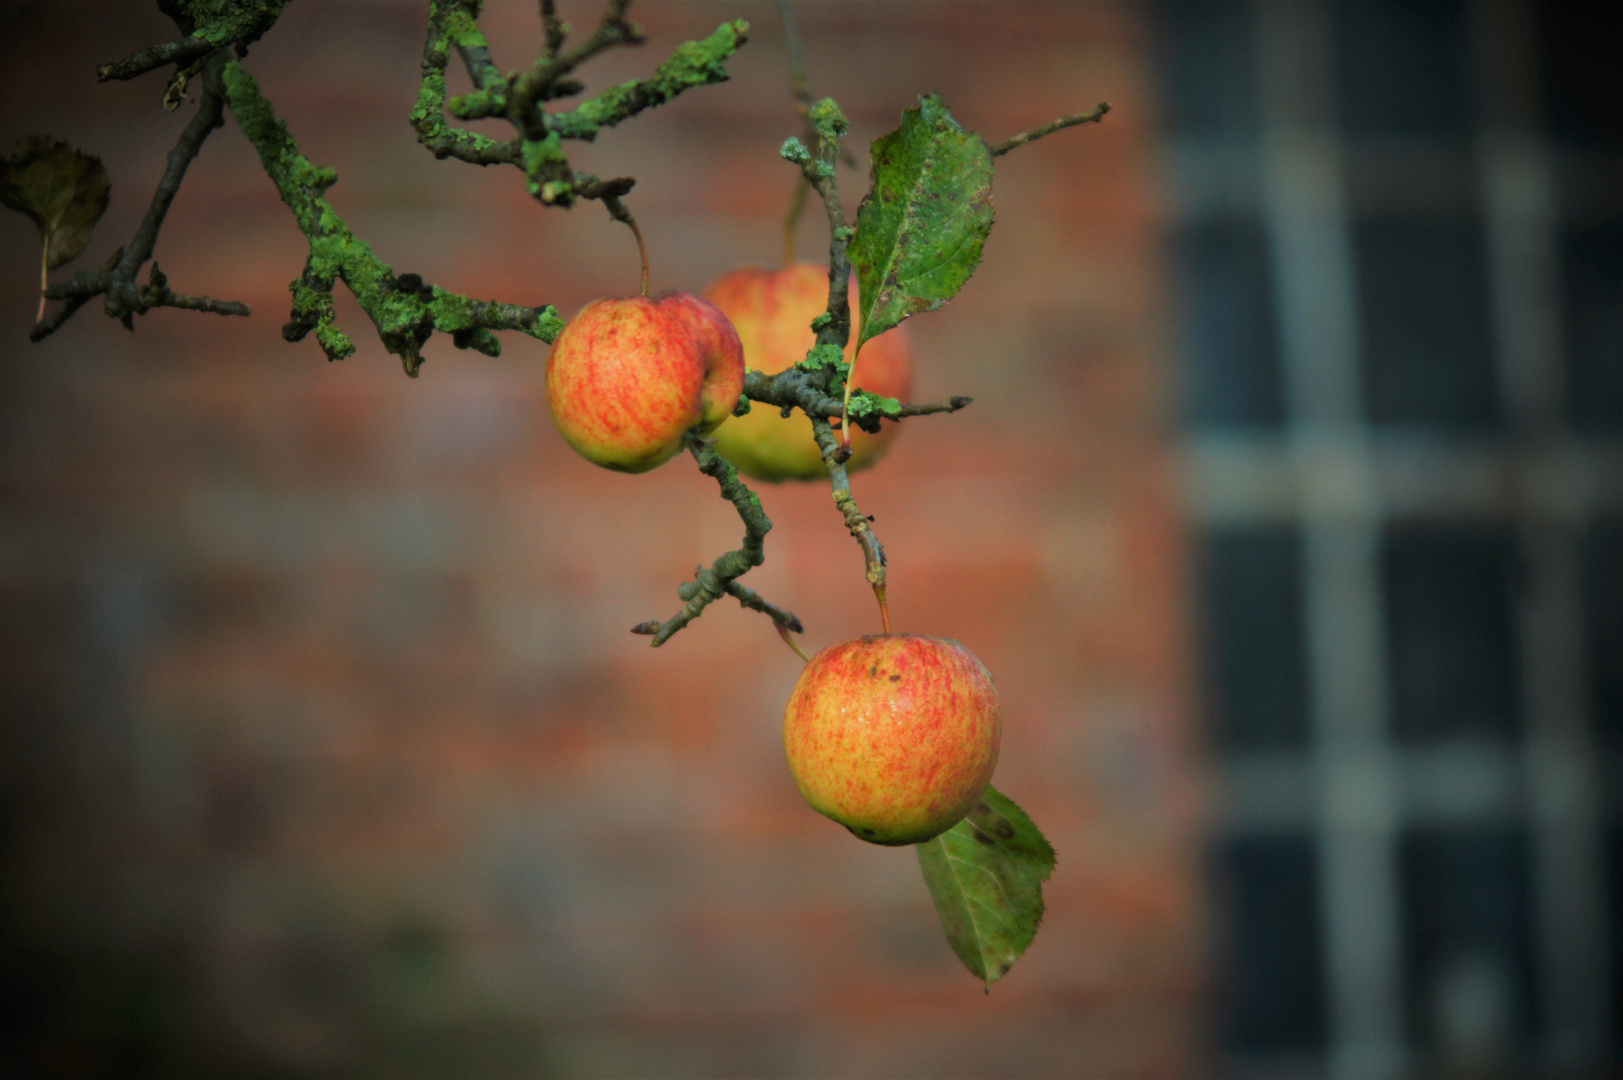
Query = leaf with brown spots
x=986 y=874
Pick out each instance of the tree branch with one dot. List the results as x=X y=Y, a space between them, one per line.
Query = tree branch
x=404 y=310
x=118 y=279
x=537 y=149
x=1093 y=117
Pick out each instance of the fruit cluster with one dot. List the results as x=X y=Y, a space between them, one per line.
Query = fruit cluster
x=894 y=736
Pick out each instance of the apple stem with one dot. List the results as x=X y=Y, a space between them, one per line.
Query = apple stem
x=642 y=250
x=783 y=632
x=884 y=608
x=620 y=212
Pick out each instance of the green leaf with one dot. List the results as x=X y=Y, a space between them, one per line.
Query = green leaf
x=986 y=875
x=63 y=190
x=921 y=226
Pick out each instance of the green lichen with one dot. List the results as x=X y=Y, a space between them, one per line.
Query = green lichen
x=547 y=171
x=865 y=404
x=827 y=120
x=825 y=356
x=225 y=22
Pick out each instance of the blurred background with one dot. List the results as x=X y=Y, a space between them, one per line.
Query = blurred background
x=1288 y=517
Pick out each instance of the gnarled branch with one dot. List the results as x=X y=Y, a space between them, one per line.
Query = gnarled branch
x=404 y=310
x=720 y=578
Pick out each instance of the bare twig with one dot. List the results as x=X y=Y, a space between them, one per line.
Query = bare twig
x=1092 y=117
x=170 y=52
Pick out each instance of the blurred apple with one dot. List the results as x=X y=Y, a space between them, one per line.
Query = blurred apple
x=627 y=378
x=893 y=736
x=773 y=310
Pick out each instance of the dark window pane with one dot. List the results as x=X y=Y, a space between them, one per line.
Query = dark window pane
x=1468 y=970
x=1423 y=306
x=1271 y=990
x=1578 y=52
x=1256 y=688
x=1208 y=67
x=1231 y=364
x=1450 y=632
x=1403 y=67
x=1603 y=616
x=1592 y=277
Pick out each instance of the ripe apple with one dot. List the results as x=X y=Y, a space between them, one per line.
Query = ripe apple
x=627 y=378
x=893 y=736
x=773 y=310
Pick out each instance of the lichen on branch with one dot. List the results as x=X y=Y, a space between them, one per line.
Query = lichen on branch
x=403 y=309
x=537 y=147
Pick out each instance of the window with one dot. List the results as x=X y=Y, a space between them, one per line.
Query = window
x=1270 y=992
x=1424 y=323
x=1468 y=945
x=1451 y=643
x=1252 y=608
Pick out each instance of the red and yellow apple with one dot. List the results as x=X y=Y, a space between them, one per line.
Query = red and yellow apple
x=893 y=736
x=627 y=378
x=773 y=310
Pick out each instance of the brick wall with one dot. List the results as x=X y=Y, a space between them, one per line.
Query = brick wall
x=325 y=748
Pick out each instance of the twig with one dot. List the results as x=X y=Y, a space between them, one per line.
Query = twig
x=170 y=52
x=856 y=522
x=1093 y=117
x=553 y=28
x=536 y=84
x=719 y=579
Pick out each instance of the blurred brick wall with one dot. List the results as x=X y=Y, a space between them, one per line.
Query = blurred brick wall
x=326 y=750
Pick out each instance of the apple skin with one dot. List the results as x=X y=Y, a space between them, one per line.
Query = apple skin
x=773 y=310
x=628 y=377
x=893 y=736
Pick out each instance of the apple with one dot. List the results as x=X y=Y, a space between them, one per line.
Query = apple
x=893 y=736
x=628 y=377
x=773 y=310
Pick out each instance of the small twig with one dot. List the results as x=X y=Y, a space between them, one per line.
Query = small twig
x=1093 y=117
x=536 y=84
x=719 y=579
x=554 y=28
x=951 y=405
x=856 y=522
x=170 y=52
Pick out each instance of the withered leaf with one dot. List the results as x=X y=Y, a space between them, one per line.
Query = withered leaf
x=63 y=189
